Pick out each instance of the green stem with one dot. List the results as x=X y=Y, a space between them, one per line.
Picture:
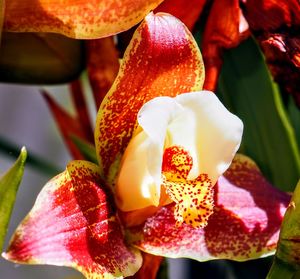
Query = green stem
x=34 y=161
x=163 y=270
x=86 y=149
x=280 y=270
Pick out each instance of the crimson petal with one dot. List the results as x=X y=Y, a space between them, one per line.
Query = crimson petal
x=245 y=224
x=73 y=224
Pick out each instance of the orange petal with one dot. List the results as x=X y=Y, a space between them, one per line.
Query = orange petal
x=187 y=11
x=225 y=28
x=73 y=223
x=76 y=18
x=162 y=59
x=245 y=224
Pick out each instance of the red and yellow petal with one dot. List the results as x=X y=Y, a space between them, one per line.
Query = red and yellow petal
x=193 y=198
x=245 y=224
x=79 y=19
x=73 y=224
x=162 y=59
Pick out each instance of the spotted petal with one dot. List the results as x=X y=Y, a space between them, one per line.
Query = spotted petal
x=245 y=223
x=73 y=224
x=76 y=18
x=162 y=59
x=193 y=197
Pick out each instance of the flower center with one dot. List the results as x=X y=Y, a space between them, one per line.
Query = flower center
x=193 y=198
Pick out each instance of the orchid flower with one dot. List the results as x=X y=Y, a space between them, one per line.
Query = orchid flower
x=164 y=183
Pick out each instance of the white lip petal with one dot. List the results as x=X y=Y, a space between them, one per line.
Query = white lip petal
x=198 y=122
x=154 y=118
x=139 y=180
x=135 y=186
x=212 y=134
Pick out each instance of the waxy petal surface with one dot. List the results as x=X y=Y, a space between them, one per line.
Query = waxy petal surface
x=79 y=19
x=73 y=224
x=245 y=223
x=162 y=59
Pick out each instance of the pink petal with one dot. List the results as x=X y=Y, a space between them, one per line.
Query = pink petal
x=245 y=224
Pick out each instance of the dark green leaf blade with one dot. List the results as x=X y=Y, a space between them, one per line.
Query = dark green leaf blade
x=86 y=149
x=294 y=114
x=287 y=259
x=9 y=184
x=247 y=89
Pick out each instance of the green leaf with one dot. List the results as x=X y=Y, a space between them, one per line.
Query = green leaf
x=280 y=270
x=9 y=184
x=287 y=257
x=86 y=149
x=246 y=87
x=294 y=113
x=163 y=271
